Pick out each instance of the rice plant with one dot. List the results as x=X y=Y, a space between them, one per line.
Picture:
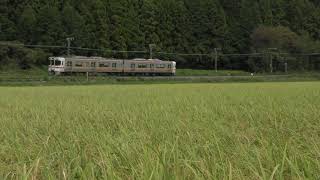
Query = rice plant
x=181 y=131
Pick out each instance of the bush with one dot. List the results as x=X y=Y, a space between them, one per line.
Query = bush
x=285 y=41
x=22 y=57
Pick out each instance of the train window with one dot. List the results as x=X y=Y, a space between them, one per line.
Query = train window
x=142 y=66
x=58 y=63
x=160 y=66
x=133 y=66
x=151 y=65
x=103 y=64
x=93 y=64
x=78 y=64
x=114 y=65
x=169 y=66
x=69 y=63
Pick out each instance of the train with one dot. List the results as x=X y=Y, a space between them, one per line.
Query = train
x=100 y=65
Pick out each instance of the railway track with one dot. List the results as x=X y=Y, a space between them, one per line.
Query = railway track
x=199 y=77
x=106 y=79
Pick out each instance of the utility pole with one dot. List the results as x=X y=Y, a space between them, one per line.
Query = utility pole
x=285 y=64
x=151 y=50
x=286 y=67
x=216 y=58
x=69 y=44
x=87 y=76
x=212 y=60
x=271 y=58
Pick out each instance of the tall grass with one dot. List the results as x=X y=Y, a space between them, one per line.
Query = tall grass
x=185 y=131
x=193 y=72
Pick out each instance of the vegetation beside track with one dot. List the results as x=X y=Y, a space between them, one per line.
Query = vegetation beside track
x=39 y=76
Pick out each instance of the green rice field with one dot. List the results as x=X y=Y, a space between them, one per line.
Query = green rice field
x=177 y=131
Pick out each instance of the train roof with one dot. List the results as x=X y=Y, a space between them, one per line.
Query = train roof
x=84 y=58
x=88 y=58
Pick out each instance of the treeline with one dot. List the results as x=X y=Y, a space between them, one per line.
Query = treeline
x=187 y=26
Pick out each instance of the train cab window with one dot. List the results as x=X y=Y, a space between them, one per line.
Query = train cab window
x=103 y=64
x=114 y=65
x=133 y=66
x=93 y=64
x=58 y=63
x=69 y=63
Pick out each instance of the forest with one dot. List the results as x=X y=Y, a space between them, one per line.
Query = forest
x=290 y=27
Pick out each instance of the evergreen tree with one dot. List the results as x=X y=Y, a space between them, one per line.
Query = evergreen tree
x=89 y=35
x=266 y=12
x=27 y=25
x=49 y=25
x=278 y=8
x=118 y=32
x=208 y=23
x=132 y=26
x=173 y=25
x=101 y=21
x=149 y=23
x=73 y=24
x=7 y=27
x=249 y=19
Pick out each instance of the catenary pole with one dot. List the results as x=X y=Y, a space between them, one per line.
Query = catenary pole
x=69 y=44
x=216 y=58
x=151 y=50
x=271 y=58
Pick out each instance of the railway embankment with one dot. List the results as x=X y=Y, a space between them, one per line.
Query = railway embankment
x=83 y=80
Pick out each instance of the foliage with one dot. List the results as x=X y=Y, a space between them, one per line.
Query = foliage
x=15 y=56
x=185 y=26
x=193 y=72
x=278 y=40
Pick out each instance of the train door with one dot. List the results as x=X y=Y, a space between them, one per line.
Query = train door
x=93 y=66
x=132 y=67
x=114 y=66
x=152 y=68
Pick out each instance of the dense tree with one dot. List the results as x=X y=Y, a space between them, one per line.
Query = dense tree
x=26 y=25
x=173 y=25
x=7 y=27
x=279 y=37
x=149 y=23
x=73 y=24
x=99 y=10
x=49 y=26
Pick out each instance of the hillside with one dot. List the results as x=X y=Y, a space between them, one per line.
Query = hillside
x=186 y=26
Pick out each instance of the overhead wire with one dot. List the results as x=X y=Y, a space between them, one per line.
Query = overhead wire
x=160 y=52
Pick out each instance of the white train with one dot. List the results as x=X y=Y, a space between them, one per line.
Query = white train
x=95 y=65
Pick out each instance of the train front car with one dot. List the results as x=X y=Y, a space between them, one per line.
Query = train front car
x=174 y=68
x=166 y=68
x=57 y=65
x=170 y=68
